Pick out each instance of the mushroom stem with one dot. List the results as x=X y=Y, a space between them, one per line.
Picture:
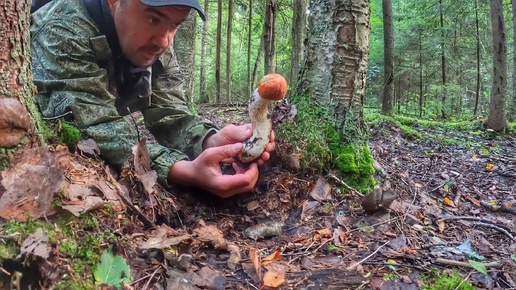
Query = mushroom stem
x=255 y=145
x=271 y=87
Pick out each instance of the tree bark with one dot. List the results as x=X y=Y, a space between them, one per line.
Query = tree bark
x=443 y=61
x=19 y=115
x=184 y=40
x=219 y=44
x=477 y=88
x=249 y=45
x=203 y=95
x=228 y=51
x=497 y=119
x=388 y=40
x=269 y=36
x=298 y=38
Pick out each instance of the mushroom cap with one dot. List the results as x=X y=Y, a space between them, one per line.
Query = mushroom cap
x=272 y=87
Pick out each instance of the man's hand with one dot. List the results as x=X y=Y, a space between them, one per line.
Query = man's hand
x=205 y=172
x=232 y=134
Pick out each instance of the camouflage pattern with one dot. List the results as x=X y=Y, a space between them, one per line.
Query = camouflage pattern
x=74 y=72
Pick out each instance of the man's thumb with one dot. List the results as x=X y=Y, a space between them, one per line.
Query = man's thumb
x=231 y=150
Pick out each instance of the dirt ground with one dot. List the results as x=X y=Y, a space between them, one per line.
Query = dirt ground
x=447 y=208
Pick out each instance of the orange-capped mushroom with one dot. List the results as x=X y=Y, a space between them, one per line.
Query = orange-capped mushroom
x=272 y=87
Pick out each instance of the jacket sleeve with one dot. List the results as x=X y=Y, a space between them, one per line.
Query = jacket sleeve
x=168 y=118
x=69 y=79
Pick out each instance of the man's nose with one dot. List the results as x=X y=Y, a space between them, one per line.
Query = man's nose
x=162 y=39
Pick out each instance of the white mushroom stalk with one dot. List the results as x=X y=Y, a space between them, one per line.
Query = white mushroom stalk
x=272 y=87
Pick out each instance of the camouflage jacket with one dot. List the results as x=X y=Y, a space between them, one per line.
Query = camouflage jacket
x=78 y=69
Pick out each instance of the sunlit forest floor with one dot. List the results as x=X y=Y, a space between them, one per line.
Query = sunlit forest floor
x=451 y=226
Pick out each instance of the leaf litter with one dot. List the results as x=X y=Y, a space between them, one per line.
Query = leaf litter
x=451 y=210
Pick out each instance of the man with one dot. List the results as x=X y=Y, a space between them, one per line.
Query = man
x=100 y=60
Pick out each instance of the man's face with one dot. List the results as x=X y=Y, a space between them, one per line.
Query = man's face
x=145 y=32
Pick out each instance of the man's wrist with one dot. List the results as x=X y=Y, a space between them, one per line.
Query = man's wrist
x=180 y=173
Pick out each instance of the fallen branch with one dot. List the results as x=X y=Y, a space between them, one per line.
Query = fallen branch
x=502 y=207
x=341 y=182
x=464 y=264
x=482 y=222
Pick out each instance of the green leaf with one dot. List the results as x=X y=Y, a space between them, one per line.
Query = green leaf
x=112 y=270
x=513 y=256
x=478 y=266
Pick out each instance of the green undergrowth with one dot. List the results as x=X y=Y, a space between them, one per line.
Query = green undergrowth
x=70 y=135
x=324 y=150
x=77 y=240
x=436 y=280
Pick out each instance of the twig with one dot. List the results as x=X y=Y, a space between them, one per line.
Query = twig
x=341 y=182
x=57 y=117
x=502 y=207
x=150 y=279
x=482 y=222
x=464 y=264
x=368 y=256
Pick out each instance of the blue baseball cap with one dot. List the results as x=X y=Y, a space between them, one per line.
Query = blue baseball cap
x=188 y=3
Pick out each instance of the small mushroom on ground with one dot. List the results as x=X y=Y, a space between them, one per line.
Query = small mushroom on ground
x=272 y=87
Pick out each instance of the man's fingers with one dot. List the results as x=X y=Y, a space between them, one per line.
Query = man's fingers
x=227 y=151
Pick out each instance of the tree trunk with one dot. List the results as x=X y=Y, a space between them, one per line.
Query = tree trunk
x=388 y=40
x=183 y=43
x=298 y=37
x=477 y=90
x=219 y=44
x=19 y=116
x=497 y=119
x=421 y=95
x=443 y=61
x=203 y=94
x=256 y=68
x=269 y=36
x=249 y=45
x=228 y=51
x=333 y=80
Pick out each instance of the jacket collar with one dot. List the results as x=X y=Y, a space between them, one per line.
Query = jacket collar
x=100 y=13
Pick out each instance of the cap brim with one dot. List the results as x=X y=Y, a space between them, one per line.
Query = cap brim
x=189 y=3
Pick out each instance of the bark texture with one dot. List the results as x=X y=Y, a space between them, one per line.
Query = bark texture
x=497 y=118
x=388 y=45
x=183 y=43
x=16 y=74
x=203 y=94
x=337 y=56
x=298 y=38
x=269 y=36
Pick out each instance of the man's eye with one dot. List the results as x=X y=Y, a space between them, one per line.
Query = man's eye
x=154 y=20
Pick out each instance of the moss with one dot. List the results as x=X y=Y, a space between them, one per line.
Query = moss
x=435 y=280
x=70 y=135
x=324 y=148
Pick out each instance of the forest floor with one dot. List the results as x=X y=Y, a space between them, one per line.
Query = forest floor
x=451 y=225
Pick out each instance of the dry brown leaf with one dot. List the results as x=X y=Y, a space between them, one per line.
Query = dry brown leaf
x=89 y=147
x=36 y=244
x=321 y=190
x=254 y=256
x=472 y=199
x=273 y=279
x=211 y=234
x=325 y=233
x=441 y=225
x=447 y=201
x=142 y=158
x=490 y=167
x=234 y=256
x=164 y=237
x=14 y=122
x=274 y=256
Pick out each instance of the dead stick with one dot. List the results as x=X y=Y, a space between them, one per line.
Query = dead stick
x=464 y=264
x=368 y=256
x=482 y=222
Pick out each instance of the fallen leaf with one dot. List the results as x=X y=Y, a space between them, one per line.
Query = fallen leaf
x=321 y=191
x=36 y=244
x=274 y=256
x=325 y=233
x=472 y=199
x=447 y=201
x=142 y=158
x=234 y=256
x=212 y=279
x=273 y=279
x=441 y=226
x=474 y=158
x=88 y=146
x=254 y=256
x=164 y=237
x=211 y=234
x=253 y=205
x=14 y=122
x=490 y=167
